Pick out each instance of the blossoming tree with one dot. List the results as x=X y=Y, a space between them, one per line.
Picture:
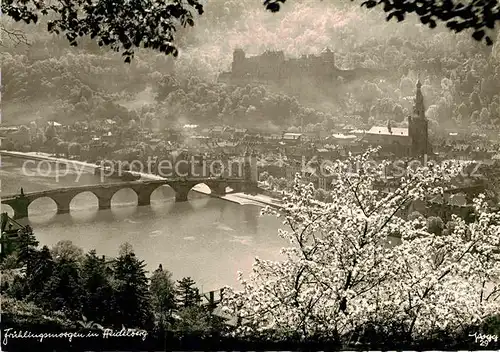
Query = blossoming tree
x=343 y=269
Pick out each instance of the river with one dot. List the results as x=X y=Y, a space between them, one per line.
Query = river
x=206 y=238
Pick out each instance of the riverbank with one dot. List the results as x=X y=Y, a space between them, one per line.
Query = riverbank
x=237 y=197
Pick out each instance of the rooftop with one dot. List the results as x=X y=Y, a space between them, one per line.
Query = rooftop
x=290 y=134
x=395 y=131
x=343 y=136
x=218 y=129
x=358 y=132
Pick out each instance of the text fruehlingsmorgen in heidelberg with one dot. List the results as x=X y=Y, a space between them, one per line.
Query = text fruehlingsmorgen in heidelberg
x=9 y=333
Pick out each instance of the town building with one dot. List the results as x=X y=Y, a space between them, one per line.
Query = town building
x=396 y=139
x=341 y=139
x=17 y=135
x=239 y=133
x=292 y=138
x=412 y=141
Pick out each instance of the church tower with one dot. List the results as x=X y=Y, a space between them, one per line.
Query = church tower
x=418 y=126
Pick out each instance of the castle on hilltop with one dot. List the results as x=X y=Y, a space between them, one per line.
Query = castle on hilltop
x=273 y=67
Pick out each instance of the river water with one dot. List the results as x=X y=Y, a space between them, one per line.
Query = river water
x=206 y=238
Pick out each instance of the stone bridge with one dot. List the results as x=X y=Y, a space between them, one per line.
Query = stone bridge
x=470 y=191
x=104 y=192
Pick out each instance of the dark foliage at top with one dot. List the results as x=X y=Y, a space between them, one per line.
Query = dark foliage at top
x=120 y=25
x=478 y=15
x=152 y=23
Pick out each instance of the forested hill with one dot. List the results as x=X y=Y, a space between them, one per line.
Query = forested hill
x=461 y=78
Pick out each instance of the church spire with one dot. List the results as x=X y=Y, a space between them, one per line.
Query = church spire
x=419 y=108
x=418 y=126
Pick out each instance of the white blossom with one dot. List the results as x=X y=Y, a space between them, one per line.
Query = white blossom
x=339 y=271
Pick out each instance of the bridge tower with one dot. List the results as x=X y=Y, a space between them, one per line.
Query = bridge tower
x=250 y=171
x=254 y=173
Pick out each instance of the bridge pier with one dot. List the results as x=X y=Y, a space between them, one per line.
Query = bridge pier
x=104 y=203
x=63 y=201
x=20 y=206
x=144 y=195
x=143 y=198
x=181 y=192
x=62 y=209
x=181 y=196
x=20 y=212
x=218 y=188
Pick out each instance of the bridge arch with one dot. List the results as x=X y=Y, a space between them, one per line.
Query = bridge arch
x=43 y=208
x=161 y=193
x=203 y=187
x=124 y=197
x=84 y=201
x=218 y=187
x=8 y=209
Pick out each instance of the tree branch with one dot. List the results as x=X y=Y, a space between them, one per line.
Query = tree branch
x=16 y=36
x=480 y=16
